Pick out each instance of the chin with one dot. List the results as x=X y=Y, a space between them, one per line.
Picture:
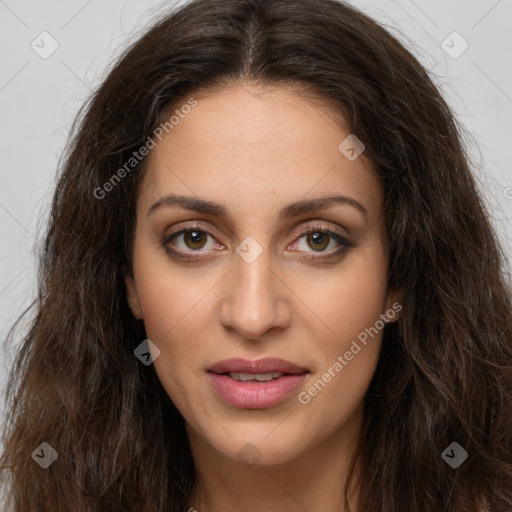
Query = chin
x=260 y=447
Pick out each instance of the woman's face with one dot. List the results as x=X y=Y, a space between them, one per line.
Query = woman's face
x=250 y=282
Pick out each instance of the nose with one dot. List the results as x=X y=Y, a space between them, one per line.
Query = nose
x=255 y=299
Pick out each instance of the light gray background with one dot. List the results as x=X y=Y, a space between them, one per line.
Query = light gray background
x=39 y=98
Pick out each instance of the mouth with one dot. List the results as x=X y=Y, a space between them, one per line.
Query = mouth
x=254 y=377
x=256 y=384
x=261 y=367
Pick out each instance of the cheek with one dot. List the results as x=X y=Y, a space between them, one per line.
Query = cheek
x=350 y=305
x=354 y=297
x=173 y=310
x=166 y=296
x=177 y=312
x=175 y=320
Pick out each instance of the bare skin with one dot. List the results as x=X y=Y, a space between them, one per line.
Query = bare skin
x=255 y=151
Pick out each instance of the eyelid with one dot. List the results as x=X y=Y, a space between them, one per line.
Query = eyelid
x=190 y=226
x=319 y=226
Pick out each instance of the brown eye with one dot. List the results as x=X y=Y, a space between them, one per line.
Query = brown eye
x=191 y=240
x=319 y=241
x=194 y=239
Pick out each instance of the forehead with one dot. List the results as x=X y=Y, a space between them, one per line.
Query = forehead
x=257 y=148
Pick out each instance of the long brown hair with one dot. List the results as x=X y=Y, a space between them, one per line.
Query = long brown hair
x=445 y=370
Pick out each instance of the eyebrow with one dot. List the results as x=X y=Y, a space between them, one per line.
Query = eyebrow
x=291 y=210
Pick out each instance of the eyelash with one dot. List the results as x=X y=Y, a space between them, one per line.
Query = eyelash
x=313 y=228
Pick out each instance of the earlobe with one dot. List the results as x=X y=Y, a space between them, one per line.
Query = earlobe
x=132 y=297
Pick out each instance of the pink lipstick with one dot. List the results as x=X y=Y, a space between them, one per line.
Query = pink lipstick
x=256 y=384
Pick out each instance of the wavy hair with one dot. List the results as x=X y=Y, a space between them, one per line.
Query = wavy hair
x=445 y=369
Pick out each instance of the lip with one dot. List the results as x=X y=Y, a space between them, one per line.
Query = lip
x=265 y=365
x=256 y=394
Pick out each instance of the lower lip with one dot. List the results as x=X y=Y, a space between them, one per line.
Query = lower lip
x=255 y=394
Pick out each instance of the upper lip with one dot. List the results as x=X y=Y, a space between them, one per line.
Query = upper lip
x=265 y=365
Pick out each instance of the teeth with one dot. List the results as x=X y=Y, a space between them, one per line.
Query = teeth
x=260 y=377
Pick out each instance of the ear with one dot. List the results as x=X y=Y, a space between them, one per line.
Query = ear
x=394 y=305
x=132 y=297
